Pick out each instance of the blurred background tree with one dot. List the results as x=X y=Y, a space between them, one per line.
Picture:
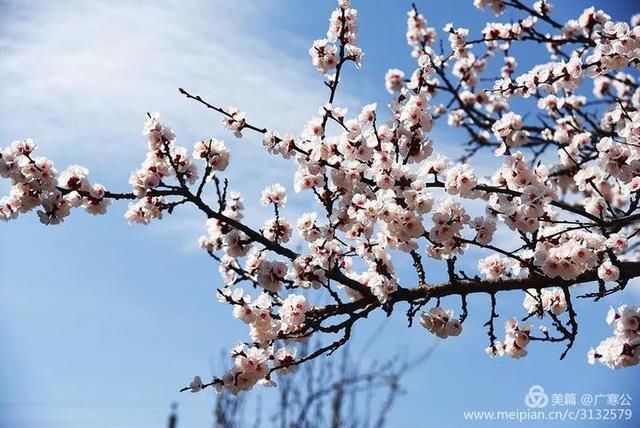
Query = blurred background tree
x=329 y=392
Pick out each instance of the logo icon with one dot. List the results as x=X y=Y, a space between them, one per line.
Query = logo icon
x=536 y=397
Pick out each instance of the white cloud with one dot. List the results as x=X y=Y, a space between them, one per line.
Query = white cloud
x=80 y=75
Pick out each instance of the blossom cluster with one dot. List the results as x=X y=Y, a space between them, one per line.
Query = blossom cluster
x=166 y=160
x=440 y=322
x=35 y=182
x=537 y=302
x=615 y=45
x=623 y=348
x=343 y=27
x=251 y=366
x=515 y=341
x=254 y=364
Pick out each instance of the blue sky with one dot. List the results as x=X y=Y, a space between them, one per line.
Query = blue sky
x=102 y=322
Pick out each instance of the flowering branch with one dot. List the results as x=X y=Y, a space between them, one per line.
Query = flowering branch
x=567 y=193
